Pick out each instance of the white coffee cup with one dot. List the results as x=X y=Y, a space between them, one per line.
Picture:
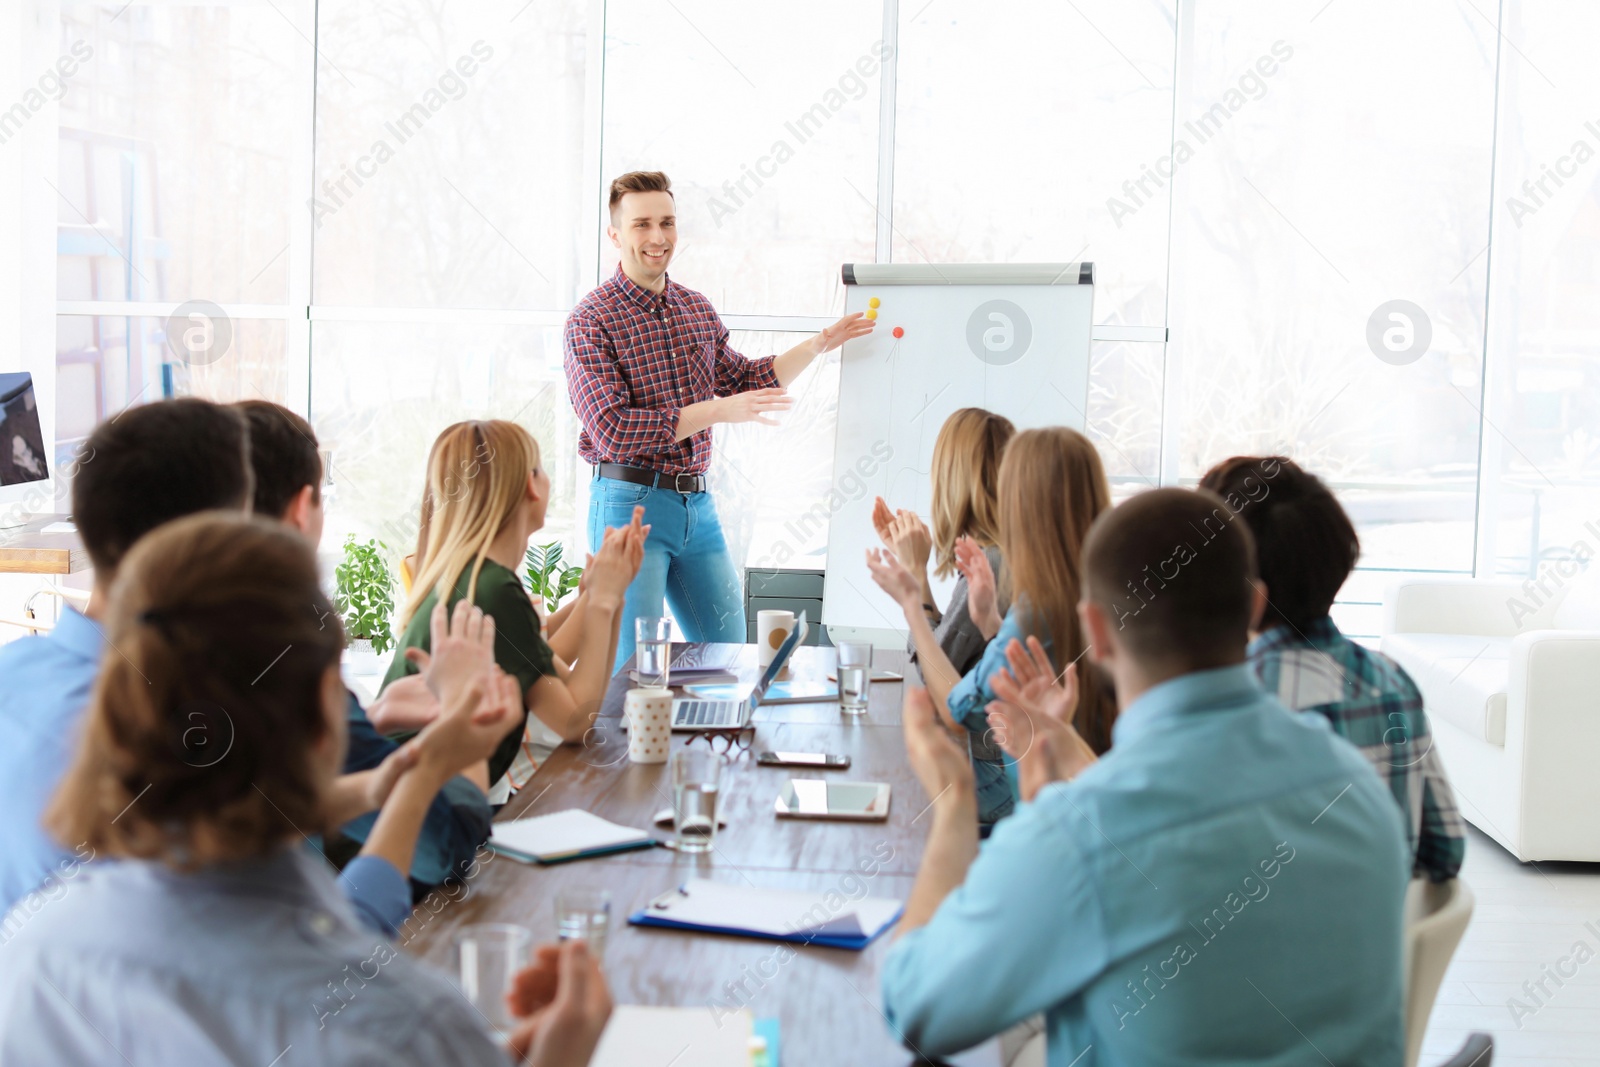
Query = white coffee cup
x=649 y=713
x=773 y=627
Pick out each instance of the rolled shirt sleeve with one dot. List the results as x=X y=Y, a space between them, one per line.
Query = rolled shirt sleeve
x=378 y=892
x=601 y=396
x=1027 y=919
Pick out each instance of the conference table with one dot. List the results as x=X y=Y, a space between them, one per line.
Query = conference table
x=826 y=1000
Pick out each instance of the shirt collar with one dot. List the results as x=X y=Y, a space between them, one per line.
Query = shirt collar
x=284 y=875
x=1318 y=633
x=1196 y=692
x=642 y=296
x=79 y=634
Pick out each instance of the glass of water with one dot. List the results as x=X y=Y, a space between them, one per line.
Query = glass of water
x=653 y=649
x=696 y=778
x=488 y=957
x=584 y=912
x=855 y=676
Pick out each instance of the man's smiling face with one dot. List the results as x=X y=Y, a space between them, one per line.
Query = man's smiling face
x=645 y=229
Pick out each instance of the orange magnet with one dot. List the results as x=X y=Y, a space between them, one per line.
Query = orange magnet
x=899 y=331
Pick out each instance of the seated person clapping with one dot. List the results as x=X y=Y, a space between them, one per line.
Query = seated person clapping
x=288 y=487
x=210 y=752
x=964 y=507
x=1051 y=487
x=486 y=496
x=149 y=465
x=1224 y=885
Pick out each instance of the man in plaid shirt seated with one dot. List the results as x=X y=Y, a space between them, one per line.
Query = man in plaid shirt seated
x=650 y=371
x=1307 y=548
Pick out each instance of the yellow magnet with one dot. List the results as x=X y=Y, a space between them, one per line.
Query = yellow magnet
x=872 y=313
x=874 y=302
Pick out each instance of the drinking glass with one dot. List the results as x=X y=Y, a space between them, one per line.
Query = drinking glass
x=653 y=644
x=696 y=778
x=584 y=912
x=855 y=676
x=488 y=956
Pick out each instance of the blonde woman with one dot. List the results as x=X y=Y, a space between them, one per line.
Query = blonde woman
x=487 y=494
x=1051 y=488
x=966 y=470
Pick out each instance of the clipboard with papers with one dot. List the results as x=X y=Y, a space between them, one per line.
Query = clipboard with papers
x=800 y=916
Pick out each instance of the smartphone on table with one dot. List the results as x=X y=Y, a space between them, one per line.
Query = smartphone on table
x=803 y=759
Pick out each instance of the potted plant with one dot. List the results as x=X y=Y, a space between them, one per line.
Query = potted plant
x=549 y=578
x=365 y=596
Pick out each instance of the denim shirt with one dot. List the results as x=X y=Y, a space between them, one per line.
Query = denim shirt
x=969 y=699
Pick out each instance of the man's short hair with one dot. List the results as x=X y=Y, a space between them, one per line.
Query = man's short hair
x=638 y=181
x=1305 y=543
x=283 y=455
x=155 y=463
x=1173 y=572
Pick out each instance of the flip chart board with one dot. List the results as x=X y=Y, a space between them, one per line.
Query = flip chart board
x=1012 y=338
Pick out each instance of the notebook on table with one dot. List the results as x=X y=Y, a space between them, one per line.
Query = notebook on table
x=573 y=834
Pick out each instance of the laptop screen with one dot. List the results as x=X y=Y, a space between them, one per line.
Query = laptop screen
x=785 y=650
x=22 y=457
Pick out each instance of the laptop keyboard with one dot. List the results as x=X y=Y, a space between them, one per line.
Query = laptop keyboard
x=709 y=713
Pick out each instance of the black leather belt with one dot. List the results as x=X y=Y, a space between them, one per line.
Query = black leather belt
x=681 y=483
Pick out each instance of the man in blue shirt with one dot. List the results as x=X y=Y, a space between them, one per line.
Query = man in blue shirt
x=1223 y=886
x=145 y=467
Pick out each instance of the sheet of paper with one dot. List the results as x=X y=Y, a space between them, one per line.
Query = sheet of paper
x=639 y=1036
x=562 y=833
x=776 y=911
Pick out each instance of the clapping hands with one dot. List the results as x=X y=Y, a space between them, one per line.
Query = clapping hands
x=1032 y=720
x=982 y=600
x=479 y=702
x=612 y=569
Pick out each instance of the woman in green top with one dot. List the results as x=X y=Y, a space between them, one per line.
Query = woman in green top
x=486 y=496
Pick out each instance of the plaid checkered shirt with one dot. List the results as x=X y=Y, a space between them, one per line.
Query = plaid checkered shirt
x=1372 y=702
x=635 y=359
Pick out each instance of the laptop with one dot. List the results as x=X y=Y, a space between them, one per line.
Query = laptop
x=692 y=713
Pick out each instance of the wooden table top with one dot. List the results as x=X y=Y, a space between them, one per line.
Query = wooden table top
x=28 y=550
x=827 y=1000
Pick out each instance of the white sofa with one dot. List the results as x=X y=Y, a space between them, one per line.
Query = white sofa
x=1510 y=675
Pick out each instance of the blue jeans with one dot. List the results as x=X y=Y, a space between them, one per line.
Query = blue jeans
x=686 y=562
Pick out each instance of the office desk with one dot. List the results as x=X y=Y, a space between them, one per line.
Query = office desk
x=826 y=999
x=28 y=550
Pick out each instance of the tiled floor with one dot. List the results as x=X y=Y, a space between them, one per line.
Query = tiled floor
x=1528 y=918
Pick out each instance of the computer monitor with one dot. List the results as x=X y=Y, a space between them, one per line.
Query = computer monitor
x=22 y=453
x=24 y=461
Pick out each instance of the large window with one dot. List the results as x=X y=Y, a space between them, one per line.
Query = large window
x=1360 y=233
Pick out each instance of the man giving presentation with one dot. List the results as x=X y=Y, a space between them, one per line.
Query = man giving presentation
x=650 y=372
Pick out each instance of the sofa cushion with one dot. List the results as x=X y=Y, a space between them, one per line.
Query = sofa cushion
x=1580 y=608
x=1462 y=678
